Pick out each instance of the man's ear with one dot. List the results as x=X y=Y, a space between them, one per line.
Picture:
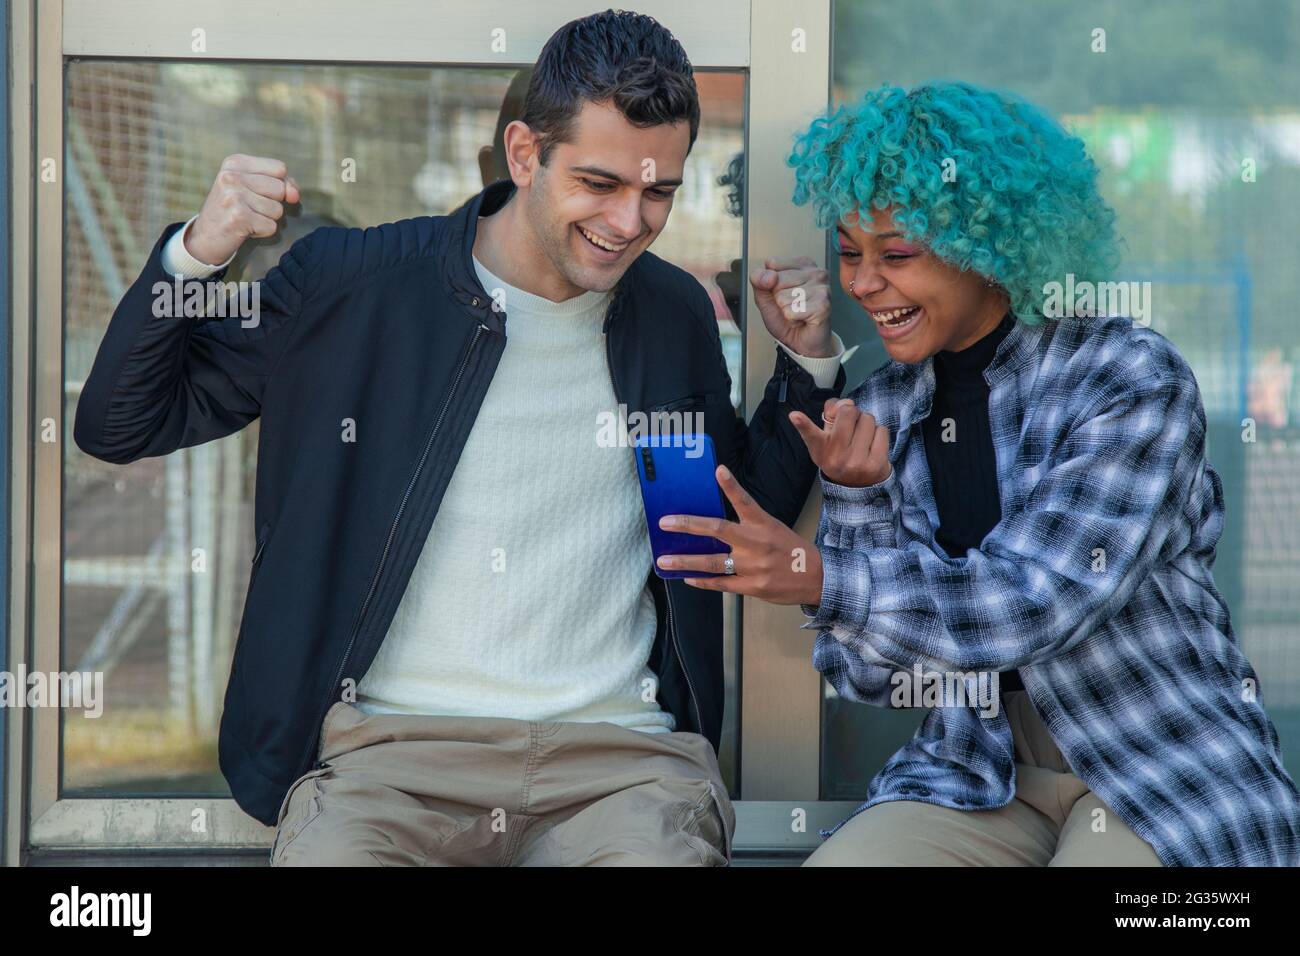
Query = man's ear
x=521 y=153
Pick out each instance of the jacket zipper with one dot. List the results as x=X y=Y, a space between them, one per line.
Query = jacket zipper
x=392 y=531
x=673 y=406
x=672 y=631
x=261 y=545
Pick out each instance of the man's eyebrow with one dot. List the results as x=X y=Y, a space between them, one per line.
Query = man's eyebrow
x=606 y=174
x=597 y=171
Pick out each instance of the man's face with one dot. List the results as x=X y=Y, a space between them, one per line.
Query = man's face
x=603 y=197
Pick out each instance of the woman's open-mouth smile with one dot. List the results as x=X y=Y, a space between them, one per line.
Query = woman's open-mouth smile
x=895 y=323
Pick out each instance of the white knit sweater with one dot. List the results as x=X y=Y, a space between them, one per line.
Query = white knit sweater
x=529 y=598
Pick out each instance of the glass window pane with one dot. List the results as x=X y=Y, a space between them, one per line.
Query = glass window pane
x=1193 y=121
x=157 y=554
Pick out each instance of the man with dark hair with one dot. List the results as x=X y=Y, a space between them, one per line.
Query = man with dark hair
x=454 y=648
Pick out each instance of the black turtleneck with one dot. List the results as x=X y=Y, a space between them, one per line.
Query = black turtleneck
x=963 y=470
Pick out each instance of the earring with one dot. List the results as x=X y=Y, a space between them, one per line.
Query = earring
x=851 y=281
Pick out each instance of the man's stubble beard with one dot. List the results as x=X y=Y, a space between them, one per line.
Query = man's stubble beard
x=553 y=239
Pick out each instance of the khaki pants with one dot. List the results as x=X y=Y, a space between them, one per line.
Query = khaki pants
x=1049 y=822
x=484 y=791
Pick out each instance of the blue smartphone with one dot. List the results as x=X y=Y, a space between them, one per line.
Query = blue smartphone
x=677 y=478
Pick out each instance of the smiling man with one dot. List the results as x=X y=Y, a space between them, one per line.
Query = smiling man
x=592 y=203
x=454 y=648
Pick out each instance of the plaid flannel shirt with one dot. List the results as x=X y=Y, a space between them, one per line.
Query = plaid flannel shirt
x=1126 y=652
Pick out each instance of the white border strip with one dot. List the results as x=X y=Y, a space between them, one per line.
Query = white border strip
x=485 y=32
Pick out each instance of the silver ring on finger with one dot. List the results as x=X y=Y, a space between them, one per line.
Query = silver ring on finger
x=728 y=565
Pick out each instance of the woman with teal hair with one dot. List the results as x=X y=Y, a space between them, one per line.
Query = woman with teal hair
x=1019 y=520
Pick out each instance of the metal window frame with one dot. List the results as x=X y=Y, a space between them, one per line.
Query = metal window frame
x=22 y=304
x=5 y=247
x=780 y=693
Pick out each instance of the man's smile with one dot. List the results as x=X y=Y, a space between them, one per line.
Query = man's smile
x=604 y=245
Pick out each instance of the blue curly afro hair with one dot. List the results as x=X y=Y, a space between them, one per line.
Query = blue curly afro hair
x=987 y=181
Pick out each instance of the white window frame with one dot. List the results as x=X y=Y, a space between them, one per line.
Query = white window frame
x=783 y=46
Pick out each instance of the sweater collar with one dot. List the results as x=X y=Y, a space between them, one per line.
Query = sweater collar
x=1012 y=355
x=966 y=367
x=458 y=263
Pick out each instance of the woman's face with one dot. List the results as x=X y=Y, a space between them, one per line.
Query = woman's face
x=920 y=304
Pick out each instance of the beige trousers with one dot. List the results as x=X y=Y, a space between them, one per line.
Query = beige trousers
x=1053 y=820
x=484 y=791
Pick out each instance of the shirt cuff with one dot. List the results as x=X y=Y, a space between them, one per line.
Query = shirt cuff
x=847 y=505
x=823 y=370
x=177 y=260
x=846 y=590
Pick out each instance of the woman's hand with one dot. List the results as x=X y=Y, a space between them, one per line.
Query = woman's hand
x=852 y=450
x=794 y=298
x=771 y=561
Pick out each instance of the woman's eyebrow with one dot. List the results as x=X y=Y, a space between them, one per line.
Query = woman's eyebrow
x=870 y=235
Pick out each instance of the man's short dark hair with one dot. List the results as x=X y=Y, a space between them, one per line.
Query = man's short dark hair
x=626 y=59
